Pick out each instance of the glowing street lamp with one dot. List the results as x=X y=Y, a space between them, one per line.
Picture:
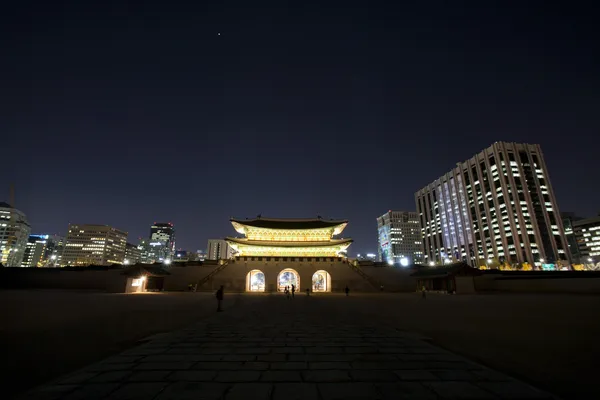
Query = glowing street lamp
x=53 y=257
x=404 y=262
x=126 y=262
x=167 y=262
x=431 y=263
x=390 y=262
x=590 y=259
x=489 y=261
x=541 y=260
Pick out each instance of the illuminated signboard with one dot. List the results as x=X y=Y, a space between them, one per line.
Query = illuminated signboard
x=385 y=244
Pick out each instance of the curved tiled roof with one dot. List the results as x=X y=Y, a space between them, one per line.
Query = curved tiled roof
x=324 y=243
x=289 y=223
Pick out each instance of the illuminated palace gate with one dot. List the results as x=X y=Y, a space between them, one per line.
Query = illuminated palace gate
x=271 y=237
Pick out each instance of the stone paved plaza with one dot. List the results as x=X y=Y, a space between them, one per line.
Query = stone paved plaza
x=269 y=347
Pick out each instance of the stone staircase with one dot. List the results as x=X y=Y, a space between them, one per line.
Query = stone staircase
x=374 y=283
x=212 y=273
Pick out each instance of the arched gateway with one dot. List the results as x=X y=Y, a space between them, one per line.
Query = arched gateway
x=288 y=277
x=321 y=281
x=288 y=240
x=255 y=281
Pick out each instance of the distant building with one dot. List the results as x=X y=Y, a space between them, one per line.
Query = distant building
x=54 y=250
x=199 y=255
x=183 y=256
x=366 y=257
x=497 y=207
x=218 y=249
x=133 y=254
x=163 y=233
x=587 y=233
x=399 y=234
x=35 y=252
x=94 y=244
x=568 y=218
x=14 y=234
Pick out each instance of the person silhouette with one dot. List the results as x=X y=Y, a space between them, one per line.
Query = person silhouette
x=293 y=290
x=219 y=296
x=347 y=290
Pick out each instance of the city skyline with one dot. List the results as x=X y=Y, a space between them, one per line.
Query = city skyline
x=343 y=112
x=132 y=237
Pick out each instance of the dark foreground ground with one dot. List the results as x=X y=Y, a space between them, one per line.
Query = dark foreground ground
x=548 y=341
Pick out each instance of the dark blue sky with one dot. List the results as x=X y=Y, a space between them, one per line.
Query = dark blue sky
x=126 y=114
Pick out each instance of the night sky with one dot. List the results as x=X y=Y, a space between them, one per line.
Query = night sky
x=126 y=114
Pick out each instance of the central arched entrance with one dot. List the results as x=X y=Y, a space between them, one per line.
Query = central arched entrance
x=255 y=281
x=321 y=281
x=288 y=277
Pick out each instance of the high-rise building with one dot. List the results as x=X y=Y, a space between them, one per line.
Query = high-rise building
x=162 y=241
x=35 y=252
x=587 y=234
x=400 y=241
x=133 y=254
x=497 y=207
x=218 y=249
x=94 y=244
x=14 y=234
x=568 y=219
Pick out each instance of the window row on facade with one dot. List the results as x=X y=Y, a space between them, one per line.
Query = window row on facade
x=498 y=205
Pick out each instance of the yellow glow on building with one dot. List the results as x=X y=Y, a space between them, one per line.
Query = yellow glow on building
x=289 y=238
x=279 y=251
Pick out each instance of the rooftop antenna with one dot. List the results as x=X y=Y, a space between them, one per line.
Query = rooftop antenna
x=11 y=195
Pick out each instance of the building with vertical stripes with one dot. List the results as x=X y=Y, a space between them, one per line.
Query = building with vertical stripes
x=497 y=207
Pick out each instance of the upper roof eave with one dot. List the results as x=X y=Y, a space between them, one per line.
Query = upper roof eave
x=289 y=223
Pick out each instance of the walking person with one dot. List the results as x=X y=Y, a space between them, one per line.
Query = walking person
x=423 y=293
x=293 y=290
x=219 y=296
x=307 y=292
x=347 y=290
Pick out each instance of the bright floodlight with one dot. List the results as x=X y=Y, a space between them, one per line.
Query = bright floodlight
x=126 y=262
x=489 y=261
x=404 y=261
x=431 y=263
x=167 y=261
x=447 y=261
x=590 y=259
x=390 y=262
x=541 y=260
x=53 y=257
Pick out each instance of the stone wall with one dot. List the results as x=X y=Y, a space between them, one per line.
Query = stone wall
x=233 y=276
x=537 y=283
x=393 y=279
x=111 y=281
x=183 y=276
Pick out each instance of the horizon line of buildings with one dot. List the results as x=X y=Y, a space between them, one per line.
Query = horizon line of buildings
x=496 y=208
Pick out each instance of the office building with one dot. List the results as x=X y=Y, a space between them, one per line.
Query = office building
x=399 y=234
x=587 y=234
x=497 y=207
x=568 y=219
x=199 y=255
x=218 y=249
x=14 y=234
x=133 y=254
x=35 y=252
x=94 y=245
x=164 y=232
